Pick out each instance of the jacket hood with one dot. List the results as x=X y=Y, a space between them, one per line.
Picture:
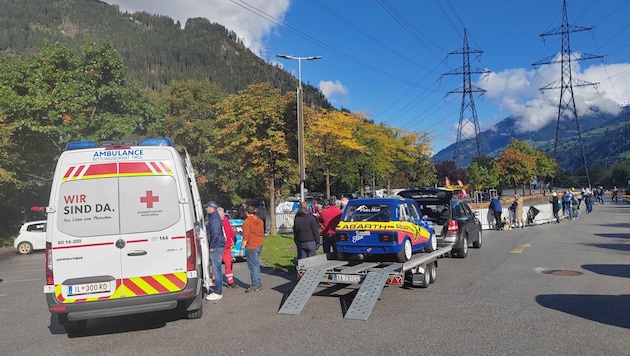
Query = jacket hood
x=303 y=211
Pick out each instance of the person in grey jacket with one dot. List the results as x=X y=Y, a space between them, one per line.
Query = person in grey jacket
x=305 y=232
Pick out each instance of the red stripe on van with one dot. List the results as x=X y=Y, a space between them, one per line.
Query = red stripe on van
x=134 y=167
x=155 y=284
x=83 y=245
x=101 y=169
x=135 y=241
x=175 y=280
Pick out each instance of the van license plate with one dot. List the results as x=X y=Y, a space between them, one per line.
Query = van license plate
x=355 y=278
x=89 y=288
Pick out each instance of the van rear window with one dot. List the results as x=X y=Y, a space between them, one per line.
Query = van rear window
x=117 y=205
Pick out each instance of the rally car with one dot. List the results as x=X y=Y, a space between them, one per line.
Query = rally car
x=382 y=227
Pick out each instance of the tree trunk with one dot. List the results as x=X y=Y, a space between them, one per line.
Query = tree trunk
x=272 y=205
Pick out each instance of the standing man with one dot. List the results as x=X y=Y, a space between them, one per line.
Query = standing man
x=555 y=206
x=216 y=242
x=230 y=239
x=253 y=240
x=305 y=232
x=497 y=210
x=329 y=217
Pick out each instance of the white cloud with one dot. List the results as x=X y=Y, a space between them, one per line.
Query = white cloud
x=248 y=20
x=332 y=88
x=517 y=91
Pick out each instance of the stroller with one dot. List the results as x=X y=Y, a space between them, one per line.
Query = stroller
x=531 y=215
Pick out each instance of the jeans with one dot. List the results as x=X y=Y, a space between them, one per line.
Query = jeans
x=306 y=249
x=216 y=257
x=253 y=263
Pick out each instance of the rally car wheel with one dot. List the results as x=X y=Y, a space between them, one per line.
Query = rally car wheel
x=433 y=245
x=24 y=248
x=404 y=254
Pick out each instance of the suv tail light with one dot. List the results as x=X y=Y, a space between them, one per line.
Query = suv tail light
x=191 y=250
x=50 y=280
x=452 y=226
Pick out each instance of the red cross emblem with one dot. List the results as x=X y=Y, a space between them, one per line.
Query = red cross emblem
x=149 y=199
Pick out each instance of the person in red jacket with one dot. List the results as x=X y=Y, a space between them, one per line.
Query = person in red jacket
x=329 y=217
x=230 y=239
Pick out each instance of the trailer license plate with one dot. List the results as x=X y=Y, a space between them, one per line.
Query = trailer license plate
x=347 y=277
x=89 y=288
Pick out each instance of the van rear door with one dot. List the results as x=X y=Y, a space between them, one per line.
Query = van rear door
x=117 y=227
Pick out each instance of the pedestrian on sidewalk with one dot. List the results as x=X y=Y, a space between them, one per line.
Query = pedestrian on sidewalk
x=497 y=210
x=518 y=212
x=555 y=206
x=216 y=243
x=253 y=241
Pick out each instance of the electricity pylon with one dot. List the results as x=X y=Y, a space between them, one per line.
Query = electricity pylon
x=468 y=144
x=568 y=126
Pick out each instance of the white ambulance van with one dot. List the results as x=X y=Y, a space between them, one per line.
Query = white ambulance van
x=124 y=232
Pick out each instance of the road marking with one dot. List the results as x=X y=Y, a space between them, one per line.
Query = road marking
x=520 y=248
x=22 y=280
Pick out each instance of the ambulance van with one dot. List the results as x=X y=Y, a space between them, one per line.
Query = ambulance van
x=124 y=232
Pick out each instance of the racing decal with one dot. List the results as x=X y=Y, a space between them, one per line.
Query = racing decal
x=402 y=228
x=116 y=169
x=132 y=287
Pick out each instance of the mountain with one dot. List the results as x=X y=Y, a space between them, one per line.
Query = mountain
x=605 y=137
x=155 y=49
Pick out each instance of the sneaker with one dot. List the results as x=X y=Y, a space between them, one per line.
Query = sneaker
x=253 y=289
x=232 y=285
x=214 y=296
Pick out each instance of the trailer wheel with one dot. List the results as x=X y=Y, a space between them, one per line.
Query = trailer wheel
x=432 y=271
x=404 y=254
x=426 y=278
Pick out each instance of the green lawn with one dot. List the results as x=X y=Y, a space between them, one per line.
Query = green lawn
x=279 y=253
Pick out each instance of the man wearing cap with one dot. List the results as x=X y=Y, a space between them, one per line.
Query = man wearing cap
x=216 y=242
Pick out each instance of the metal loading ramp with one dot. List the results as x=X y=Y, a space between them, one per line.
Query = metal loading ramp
x=302 y=291
x=367 y=296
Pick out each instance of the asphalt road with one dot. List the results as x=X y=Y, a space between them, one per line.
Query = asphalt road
x=497 y=301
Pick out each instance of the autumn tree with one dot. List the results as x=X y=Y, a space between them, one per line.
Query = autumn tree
x=517 y=163
x=253 y=141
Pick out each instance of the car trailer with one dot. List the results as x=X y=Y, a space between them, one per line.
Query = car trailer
x=420 y=271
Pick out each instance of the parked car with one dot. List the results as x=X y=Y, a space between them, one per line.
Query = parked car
x=455 y=222
x=383 y=226
x=237 y=225
x=32 y=237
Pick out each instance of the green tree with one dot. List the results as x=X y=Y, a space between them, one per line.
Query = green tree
x=517 y=164
x=483 y=173
x=253 y=140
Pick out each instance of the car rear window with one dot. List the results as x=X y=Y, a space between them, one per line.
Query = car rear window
x=368 y=212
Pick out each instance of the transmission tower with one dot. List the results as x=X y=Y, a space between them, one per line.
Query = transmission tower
x=468 y=144
x=567 y=126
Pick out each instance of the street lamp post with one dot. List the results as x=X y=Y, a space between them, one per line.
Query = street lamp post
x=300 y=117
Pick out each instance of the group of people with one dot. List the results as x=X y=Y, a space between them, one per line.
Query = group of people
x=515 y=212
x=314 y=226
x=221 y=237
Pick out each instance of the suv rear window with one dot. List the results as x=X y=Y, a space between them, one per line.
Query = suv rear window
x=435 y=203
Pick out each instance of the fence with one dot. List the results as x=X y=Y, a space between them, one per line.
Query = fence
x=284 y=221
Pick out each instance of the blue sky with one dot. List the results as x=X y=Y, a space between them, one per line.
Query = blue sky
x=388 y=58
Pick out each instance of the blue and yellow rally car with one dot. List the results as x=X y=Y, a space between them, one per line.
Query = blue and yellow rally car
x=383 y=226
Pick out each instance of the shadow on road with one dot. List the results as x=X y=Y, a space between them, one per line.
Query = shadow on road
x=605 y=309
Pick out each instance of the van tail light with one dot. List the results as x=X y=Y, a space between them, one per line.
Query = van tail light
x=50 y=280
x=452 y=226
x=191 y=250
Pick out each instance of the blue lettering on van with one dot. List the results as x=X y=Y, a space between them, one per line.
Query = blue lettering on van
x=119 y=153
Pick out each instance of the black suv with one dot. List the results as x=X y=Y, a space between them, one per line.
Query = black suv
x=455 y=223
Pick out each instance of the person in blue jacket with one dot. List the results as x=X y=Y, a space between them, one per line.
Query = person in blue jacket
x=496 y=209
x=216 y=243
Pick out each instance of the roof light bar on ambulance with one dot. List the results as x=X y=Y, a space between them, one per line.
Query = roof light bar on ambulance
x=155 y=141
x=80 y=145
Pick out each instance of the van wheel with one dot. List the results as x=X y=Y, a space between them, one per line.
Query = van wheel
x=195 y=314
x=71 y=326
x=24 y=248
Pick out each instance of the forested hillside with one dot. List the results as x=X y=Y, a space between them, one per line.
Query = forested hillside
x=155 y=49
